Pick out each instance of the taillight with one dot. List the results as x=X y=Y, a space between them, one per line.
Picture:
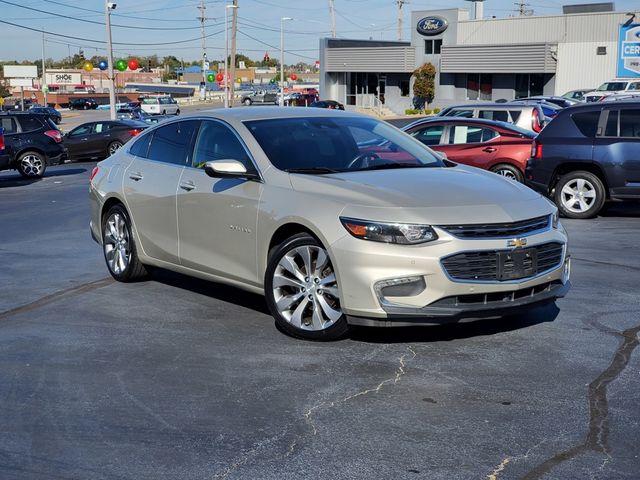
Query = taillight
x=1 y=139
x=535 y=121
x=536 y=150
x=94 y=172
x=135 y=131
x=55 y=134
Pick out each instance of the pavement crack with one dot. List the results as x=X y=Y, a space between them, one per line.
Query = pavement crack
x=250 y=453
x=600 y=262
x=398 y=374
x=54 y=297
x=597 y=436
x=496 y=471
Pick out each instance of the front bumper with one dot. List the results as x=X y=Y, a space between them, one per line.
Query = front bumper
x=362 y=264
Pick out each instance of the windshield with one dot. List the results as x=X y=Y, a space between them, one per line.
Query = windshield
x=334 y=144
x=612 y=86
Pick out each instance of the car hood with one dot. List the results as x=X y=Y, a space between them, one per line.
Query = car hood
x=458 y=194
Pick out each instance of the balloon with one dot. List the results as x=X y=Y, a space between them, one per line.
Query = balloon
x=211 y=77
x=121 y=65
x=294 y=77
x=88 y=66
x=102 y=65
x=219 y=77
x=238 y=80
x=133 y=64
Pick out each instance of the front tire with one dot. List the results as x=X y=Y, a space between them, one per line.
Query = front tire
x=247 y=102
x=508 y=171
x=178 y=112
x=579 y=195
x=119 y=248
x=302 y=292
x=31 y=165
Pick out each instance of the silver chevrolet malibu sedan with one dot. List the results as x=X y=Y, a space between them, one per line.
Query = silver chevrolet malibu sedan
x=335 y=217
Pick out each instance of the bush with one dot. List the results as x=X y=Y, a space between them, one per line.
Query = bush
x=411 y=111
x=428 y=111
x=436 y=110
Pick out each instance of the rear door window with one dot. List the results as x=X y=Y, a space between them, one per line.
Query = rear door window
x=495 y=115
x=464 y=134
x=29 y=123
x=102 y=127
x=587 y=122
x=429 y=135
x=140 y=147
x=460 y=113
x=172 y=143
x=630 y=123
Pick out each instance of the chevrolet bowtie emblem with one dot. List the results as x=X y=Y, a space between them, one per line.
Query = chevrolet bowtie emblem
x=517 y=242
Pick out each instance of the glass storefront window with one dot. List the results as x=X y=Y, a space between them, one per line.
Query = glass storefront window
x=479 y=86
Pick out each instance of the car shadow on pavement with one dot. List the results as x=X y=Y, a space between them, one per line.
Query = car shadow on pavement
x=17 y=180
x=628 y=209
x=455 y=331
x=218 y=291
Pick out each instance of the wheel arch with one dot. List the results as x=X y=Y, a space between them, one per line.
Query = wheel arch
x=27 y=149
x=569 y=167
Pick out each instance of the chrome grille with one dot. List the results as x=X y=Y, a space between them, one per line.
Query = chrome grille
x=486 y=266
x=498 y=230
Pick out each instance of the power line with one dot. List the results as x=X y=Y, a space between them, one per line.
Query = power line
x=274 y=47
x=102 y=41
x=93 y=21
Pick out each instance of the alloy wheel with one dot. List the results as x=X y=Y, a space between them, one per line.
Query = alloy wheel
x=116 y=244
x=578 y=195
x=305 y=289
x=32 y=165
x=114 y=147
x=506 y=173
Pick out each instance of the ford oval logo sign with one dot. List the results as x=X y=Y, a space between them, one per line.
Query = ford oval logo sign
x=431 y=25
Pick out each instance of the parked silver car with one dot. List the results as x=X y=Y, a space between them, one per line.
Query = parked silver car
x=336 y=218
x=530 y=117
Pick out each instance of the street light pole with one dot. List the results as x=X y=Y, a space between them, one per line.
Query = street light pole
x=282 y=20
x=43 y=84
x=226 y=54
x=112 y=88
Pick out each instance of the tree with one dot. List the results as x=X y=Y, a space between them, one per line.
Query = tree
x=424 y=87
x=243 y=58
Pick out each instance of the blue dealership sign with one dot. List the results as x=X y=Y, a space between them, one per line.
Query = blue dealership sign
x=629 y=50
x=431 y=25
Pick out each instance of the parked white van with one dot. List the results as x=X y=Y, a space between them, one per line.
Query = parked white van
x=160 y=105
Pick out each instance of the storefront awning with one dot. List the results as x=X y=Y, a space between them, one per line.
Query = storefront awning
x=519 y=58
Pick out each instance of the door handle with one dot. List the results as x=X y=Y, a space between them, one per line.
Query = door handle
x=84 y=139
x=489 y=149
x=188 y=186
x=135 y=176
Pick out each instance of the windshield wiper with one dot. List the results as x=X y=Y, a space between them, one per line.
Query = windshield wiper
x=386 y=166
x=311 y=170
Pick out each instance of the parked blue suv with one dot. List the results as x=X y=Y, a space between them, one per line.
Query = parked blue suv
x=587 y=155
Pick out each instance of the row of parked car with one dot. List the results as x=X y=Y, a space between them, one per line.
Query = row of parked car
x=581 y=155
x=30 y=141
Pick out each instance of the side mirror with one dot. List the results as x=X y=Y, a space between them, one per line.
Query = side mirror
x=227 y=169
x=443 y=155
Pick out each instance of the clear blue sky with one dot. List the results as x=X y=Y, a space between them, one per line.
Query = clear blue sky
x=260 y=19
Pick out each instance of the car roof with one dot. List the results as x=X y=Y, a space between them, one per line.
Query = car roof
x=503 y=106
x=599 y=106
x=242 y=114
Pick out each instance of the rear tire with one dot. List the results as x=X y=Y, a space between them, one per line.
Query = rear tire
x=31 y=165
x=579 y=195
x=508 y=171
x=113 y=147
x=247 y=102
x=119 y=248
x=301 y=290
x=178 y=112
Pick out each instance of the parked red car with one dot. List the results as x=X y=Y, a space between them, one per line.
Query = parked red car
x=499 y=147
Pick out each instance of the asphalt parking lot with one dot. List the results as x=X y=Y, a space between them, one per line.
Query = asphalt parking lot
x=181 y=378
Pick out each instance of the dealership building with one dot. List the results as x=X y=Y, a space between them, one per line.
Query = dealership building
x=484 y=59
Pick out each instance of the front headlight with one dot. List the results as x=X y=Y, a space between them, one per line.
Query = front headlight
x=555 y=219
x=401 y=233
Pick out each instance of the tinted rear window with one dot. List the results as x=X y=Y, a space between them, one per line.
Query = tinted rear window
x=8 y=124
x=172 y=143
x=630 y=123
x=140 y=146
x=30 y=123
x=587 y=122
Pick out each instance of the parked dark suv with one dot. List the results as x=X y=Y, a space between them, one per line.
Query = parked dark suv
x=587 y=155
x=31 y=141
x=82 y=104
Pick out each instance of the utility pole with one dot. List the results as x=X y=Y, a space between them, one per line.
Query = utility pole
x=202 y=18
x=234 y=31
x=400 y=4
x=112 y=87
x=332 y=15
x=522 y=9
x=43 y=83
